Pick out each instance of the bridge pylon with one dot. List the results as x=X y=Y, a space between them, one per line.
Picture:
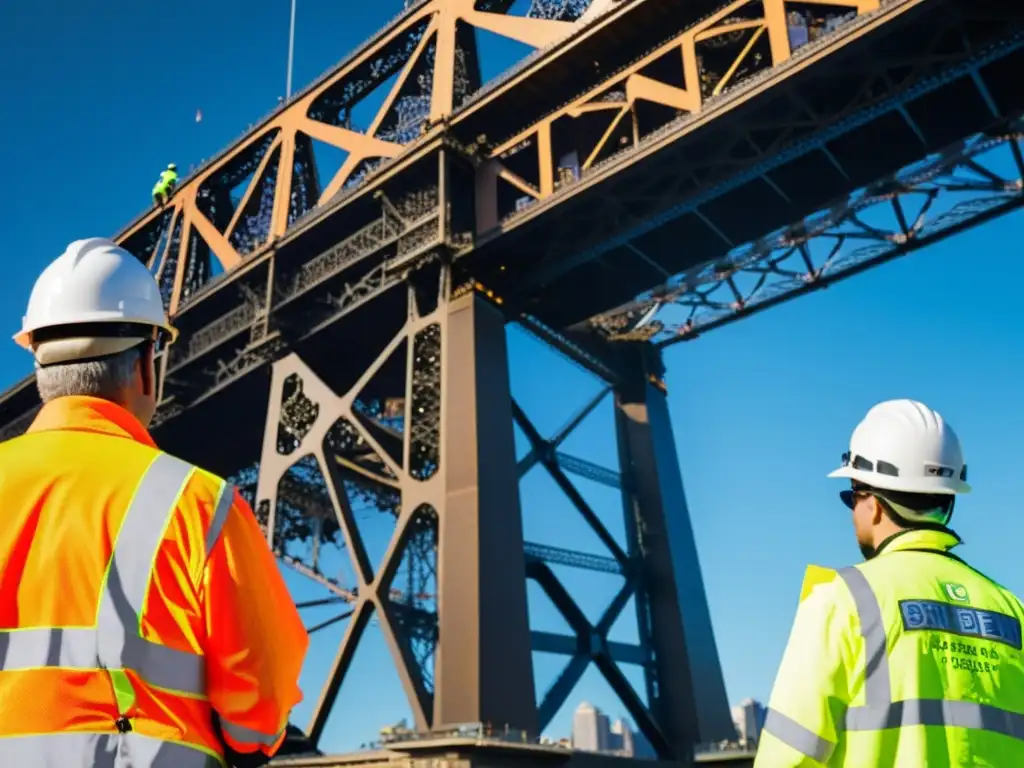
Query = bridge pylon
x=426 y=431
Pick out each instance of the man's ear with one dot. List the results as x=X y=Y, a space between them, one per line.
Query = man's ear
x=147 y=370
x=877 y=511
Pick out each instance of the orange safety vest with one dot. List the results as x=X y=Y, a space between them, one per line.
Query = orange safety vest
x=106 y=575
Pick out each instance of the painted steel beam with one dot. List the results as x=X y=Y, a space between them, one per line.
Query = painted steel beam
x=572 y=559
x=564 y=645
x=693 y=107
x=685 y=686
x=201 y=230
x=589 y=470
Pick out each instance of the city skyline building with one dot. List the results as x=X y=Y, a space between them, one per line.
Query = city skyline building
x=621 y=741
x=592 y=731
x=748 y=717
x=590 y=728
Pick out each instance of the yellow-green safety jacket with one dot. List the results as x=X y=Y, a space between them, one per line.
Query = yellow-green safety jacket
x=168 y=179
x=910 y=659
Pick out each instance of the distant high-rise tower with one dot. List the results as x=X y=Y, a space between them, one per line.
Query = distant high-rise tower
x=604 y=731
x=749 y=720
x=590 y=729
x=621 y=740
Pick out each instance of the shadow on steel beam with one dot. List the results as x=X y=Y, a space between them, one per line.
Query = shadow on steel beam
x=296 y=744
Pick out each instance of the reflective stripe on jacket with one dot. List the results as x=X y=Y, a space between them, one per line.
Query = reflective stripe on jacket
x=912 y=658
x=137 y=597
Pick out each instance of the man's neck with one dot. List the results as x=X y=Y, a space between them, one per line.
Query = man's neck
x=897 y=539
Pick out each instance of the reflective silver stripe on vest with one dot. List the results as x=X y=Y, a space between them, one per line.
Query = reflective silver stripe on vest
x=877 y=688
x=78 y=649
x=245 y=735
x=220 y=516
x=100 y=750
x=881 y=712
x=115 y=643
x=956 y=714
x=801 y=739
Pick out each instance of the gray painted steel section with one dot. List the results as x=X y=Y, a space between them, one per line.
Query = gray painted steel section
x=484 y=668
x=690 y=701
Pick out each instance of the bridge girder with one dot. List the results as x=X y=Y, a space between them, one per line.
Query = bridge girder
x=965 y=185
x=425 y=63
x=683 y=75
x=675 y=194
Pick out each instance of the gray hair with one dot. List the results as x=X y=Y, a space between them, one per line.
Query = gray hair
x=105 y=377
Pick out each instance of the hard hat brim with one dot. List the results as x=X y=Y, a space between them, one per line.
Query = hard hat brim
x=894 y=484
x=72 y=350
x=23 y=338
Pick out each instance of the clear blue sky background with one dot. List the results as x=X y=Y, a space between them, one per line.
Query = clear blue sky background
x=99 y=97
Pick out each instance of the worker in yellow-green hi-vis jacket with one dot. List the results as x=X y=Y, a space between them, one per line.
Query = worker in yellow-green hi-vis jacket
x=912 y=658
x=164 y=187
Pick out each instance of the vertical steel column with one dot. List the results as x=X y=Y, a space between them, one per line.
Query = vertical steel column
x=484 y=667
x=685 y=685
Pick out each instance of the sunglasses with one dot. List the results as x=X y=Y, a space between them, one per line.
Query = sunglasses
x=851 y=496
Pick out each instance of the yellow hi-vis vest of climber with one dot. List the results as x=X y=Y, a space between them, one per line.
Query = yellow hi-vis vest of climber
x=165 y=186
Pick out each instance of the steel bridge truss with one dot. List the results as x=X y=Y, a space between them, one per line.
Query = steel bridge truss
x=662 y=91
x=967 y=184
x=416 y=428
x=424 y=438
x=361 y=115
x=422 y=70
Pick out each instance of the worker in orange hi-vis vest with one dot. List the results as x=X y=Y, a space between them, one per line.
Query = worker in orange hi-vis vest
x=143 y=620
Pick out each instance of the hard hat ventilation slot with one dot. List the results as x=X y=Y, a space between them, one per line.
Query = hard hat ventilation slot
x=859 y=462
x=865 y=465
x=885 y=468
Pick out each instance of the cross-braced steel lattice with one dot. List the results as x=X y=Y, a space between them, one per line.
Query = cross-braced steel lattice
x=682 y=679
x=425 y=436
x=330 y=457
x=967 y=183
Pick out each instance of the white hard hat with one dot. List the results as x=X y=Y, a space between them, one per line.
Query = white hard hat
x=905 y=446
x=94 y=291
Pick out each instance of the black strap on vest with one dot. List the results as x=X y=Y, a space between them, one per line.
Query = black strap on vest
x=942 y=552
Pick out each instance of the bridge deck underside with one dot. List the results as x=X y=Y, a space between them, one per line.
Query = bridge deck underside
x=798 y=143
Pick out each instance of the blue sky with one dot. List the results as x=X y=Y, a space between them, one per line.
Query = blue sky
x=103 y=96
